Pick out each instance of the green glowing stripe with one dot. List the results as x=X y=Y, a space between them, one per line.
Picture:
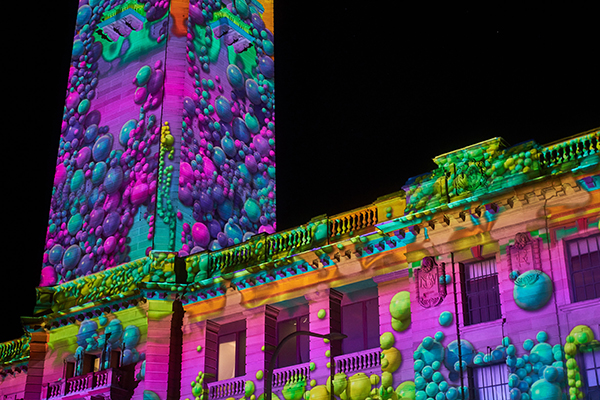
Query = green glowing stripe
x=225 y=13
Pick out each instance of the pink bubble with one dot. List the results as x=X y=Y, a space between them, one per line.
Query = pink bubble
x=200 y=234
x=139 y=194
x=266 y=228
x=61 y=174
x=48 y=277
x=186 y=173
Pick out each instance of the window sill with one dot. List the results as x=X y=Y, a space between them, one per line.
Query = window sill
x=497 y=323
x=578 y=305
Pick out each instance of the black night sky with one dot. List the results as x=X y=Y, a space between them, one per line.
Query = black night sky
x=367 y=94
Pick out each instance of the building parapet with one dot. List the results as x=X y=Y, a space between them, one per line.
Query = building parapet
x=474 y=174
x=15 y=351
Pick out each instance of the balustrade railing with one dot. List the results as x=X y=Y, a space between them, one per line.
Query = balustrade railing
x=227 y=388
x=569 y=150
x=291 y=374
x=358 y=361
x=80 y=384
x=13 y=396
x=353 y=221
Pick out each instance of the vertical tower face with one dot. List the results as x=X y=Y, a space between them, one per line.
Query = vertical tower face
x=167 y=140
x=227 y=167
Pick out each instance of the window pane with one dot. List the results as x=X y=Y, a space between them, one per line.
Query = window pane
x=584 y=268
x=482 y=297
x=227 y=356
x=287 y=353
x=492 y=382
x=372 y=311
x=352 y=326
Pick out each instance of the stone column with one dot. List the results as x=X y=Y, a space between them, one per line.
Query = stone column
x=261 y=333
x=324 y=317
x=38 y=346
x=163 y=348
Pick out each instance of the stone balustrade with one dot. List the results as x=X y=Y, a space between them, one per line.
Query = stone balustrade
x=360 y=361
x=227 y=388
x=291 y=374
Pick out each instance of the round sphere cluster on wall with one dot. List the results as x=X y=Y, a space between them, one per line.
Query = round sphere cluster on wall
x=227 y=168
x=103 y=178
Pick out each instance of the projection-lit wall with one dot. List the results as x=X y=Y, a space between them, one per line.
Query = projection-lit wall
x=129 y=178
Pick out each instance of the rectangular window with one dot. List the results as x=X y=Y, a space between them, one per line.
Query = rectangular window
x=295 y=350
x=91 y=363
x=360 y=322
x=489 y=383
x=481 y=295
x=591 y=362
x=232 y=350
x=584 y=266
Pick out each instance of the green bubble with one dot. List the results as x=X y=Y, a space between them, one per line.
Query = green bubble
x=386 y=340
x=322 y=314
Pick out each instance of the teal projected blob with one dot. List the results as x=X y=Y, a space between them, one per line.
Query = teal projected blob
x=74 y=225
x=429 y=356
x=83 y=14
x=544 y=390
x=544 y=351
x=143 y=75
x=99 y=172
x=113 y=180
x=78 y=48
x=235 y=77
x=71 y=257
x=55 y=254
x=102 y=147
x=77 y=180
x=242 y=8
x=126 y=130
x=252 y=209
x=223 y=108
x=533 y=289
x=131 y=336
x=84 y=106
x=451 y=353
x=252 y=123
x=445 y=318
x=115 y=329
x=252 y=91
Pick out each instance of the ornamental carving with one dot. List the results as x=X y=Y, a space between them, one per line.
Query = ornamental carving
x=431 y=290
x=524 y=254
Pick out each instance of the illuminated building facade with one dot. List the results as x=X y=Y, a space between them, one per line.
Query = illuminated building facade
x=481 y=274
x=164 y=275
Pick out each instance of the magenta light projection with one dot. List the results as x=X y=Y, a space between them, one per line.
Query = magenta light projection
x=227 y=174
x=128 y=178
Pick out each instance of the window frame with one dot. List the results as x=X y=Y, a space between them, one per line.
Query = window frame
x=300 y=341
x=493 y=308
x=237 y=328
x=365 y=325
x=595 y=353
x=475 y=387
x=569 y=267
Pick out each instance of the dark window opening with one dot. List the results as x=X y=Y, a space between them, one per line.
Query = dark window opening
x=591 y=363
x=481 y=294
x=489 y=382
x=295 y=350
x=360 y=322
x=584 y=267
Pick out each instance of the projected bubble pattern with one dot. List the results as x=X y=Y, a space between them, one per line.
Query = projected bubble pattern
x=227 y=168
x=103 y=179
